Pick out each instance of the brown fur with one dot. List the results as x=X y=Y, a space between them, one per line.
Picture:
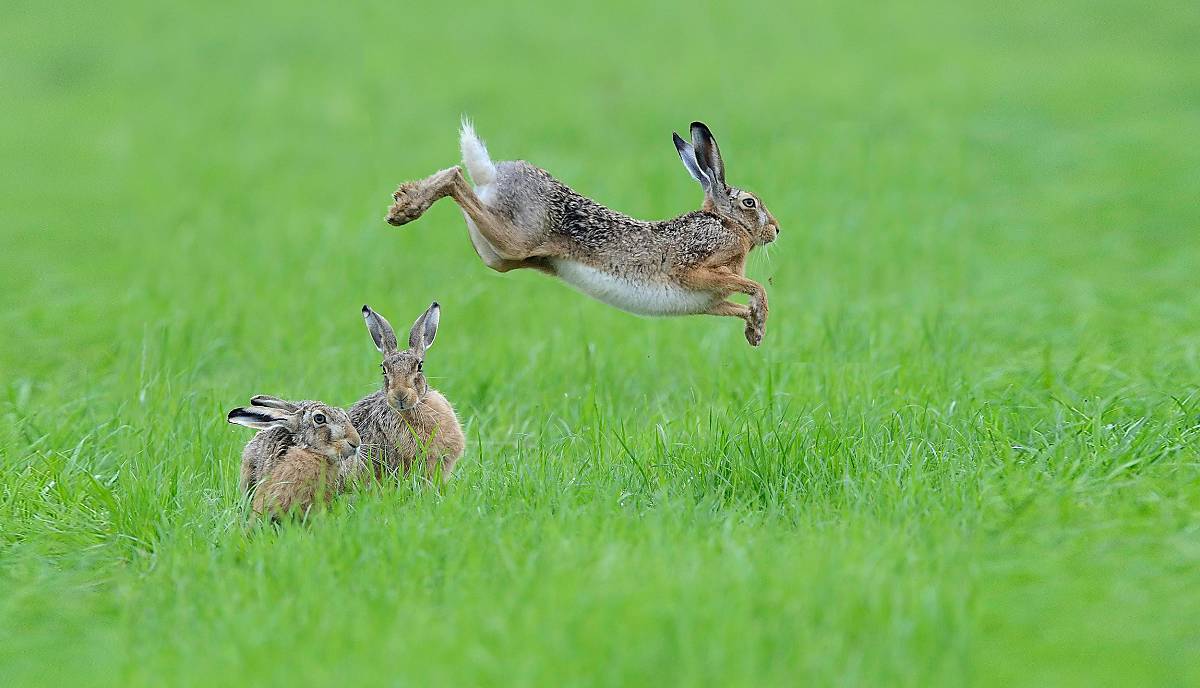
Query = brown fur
x=407 y=420
x=298 y=481
x=531 y=219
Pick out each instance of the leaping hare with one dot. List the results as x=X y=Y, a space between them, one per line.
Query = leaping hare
x=304 y=451
x=407 y=419
x=519 y=216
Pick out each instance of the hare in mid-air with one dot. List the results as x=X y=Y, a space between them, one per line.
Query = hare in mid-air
x=304 y=452
x=407 y=419
x=519 y=216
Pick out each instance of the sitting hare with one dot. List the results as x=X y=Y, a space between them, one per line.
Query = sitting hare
x=407 y=419
x=519 y=216
x=304 y=452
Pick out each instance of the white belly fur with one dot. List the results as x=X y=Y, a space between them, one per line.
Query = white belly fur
x=643 y=298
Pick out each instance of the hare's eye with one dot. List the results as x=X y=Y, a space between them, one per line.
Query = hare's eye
x=748 y=202
x=319 y=418
x=419 y=364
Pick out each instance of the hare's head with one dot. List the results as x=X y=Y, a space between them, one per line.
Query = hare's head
x=404 y=383
x=317 y=427
x=703 y=161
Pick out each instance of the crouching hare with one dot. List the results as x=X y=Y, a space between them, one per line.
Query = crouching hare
x=518 y=216
x=407 y=420
x=305 y=452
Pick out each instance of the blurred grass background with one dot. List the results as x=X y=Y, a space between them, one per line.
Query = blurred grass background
x=965 y=454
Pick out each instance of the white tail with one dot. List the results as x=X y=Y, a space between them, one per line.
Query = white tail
x=475 y=156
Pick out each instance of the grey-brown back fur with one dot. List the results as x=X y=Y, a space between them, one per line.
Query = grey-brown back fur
x=261 y=453
x=597 y=235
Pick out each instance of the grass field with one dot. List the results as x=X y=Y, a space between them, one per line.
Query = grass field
x=967 y=452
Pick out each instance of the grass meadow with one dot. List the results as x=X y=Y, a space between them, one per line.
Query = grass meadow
x=966 y=453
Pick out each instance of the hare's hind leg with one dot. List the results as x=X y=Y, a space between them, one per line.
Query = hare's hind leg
x=484 y=249
x=412 y=199
x=488 y=254
x=502 y=245
x=507 y=241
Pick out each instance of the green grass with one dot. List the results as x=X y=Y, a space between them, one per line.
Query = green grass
x=967 y=452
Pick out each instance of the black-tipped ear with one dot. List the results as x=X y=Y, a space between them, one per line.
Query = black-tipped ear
x=688 y=155
x=708 y=155
x=381 y=331
x=424 y=330
x=258 y=417
x=273 y=402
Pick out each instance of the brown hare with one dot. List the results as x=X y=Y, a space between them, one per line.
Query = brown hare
x=519 y=216
x=407 y=419
x=304 y=451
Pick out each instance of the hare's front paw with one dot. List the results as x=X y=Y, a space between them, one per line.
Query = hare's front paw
x=756 y=324
x=410 y=204
x=754 y=333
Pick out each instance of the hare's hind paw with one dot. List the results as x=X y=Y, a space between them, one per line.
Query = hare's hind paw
x=409 y=204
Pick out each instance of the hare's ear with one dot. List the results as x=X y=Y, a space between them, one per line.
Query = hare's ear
x=381 y=331
x=707 y=154
x=425 y=328
x=261 y=418
x=273 y=402
x=688 y=155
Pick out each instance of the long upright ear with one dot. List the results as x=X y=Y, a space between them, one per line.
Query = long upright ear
x=425 y=328
x=381 y=331
x=261 y=418
x=273 y=402
x=707 y=153
x=688 y=155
